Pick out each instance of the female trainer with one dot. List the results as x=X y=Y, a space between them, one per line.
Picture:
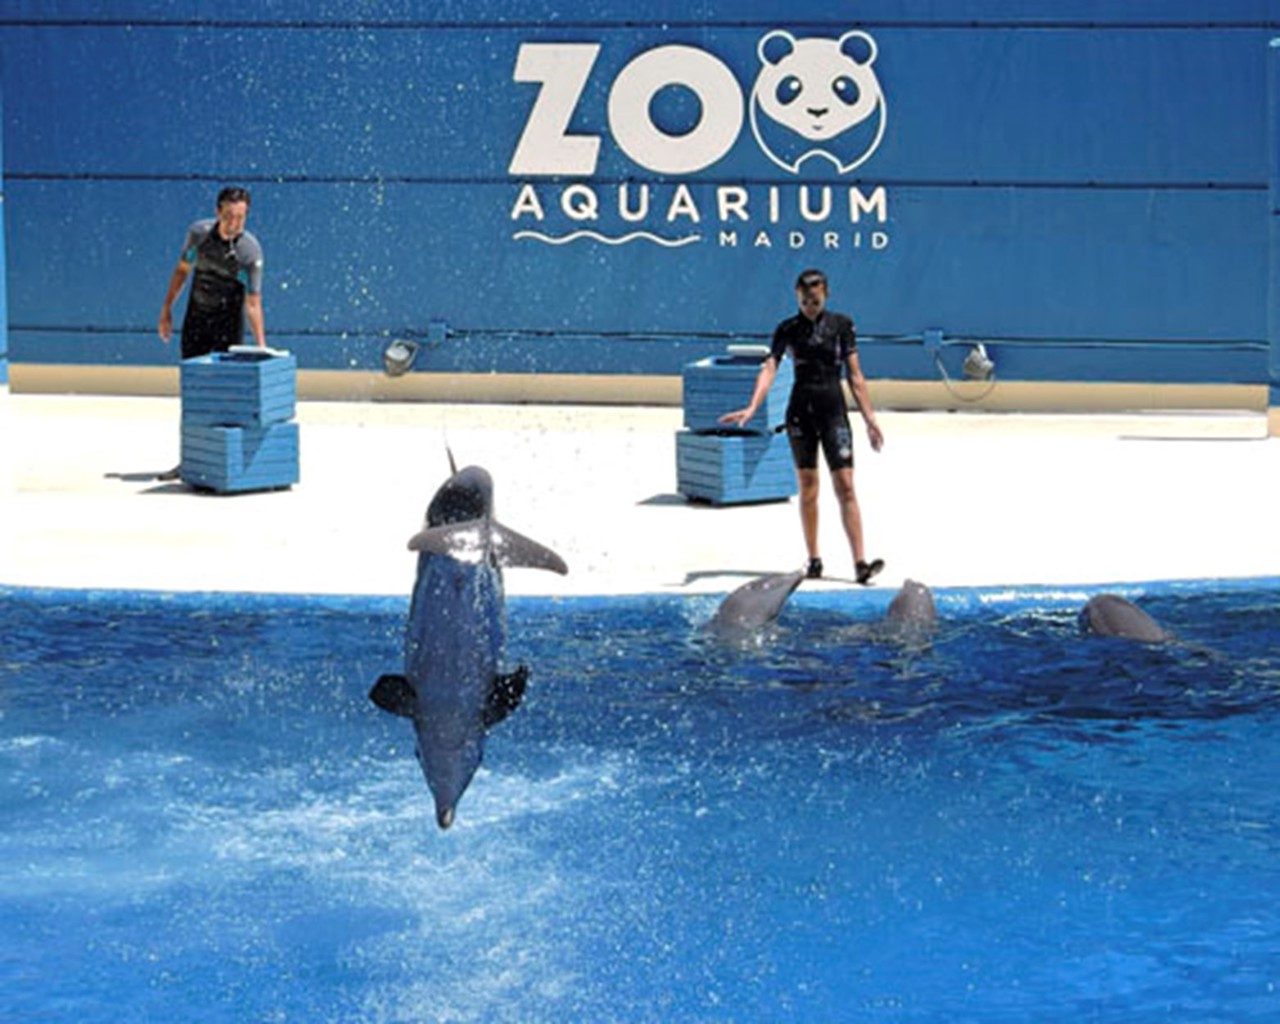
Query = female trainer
x=821 y=342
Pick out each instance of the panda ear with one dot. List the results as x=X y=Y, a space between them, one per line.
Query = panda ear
x=776 y=45
x=858 y=46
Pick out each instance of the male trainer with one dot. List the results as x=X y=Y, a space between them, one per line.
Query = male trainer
x=821 y=342
x=227 y=287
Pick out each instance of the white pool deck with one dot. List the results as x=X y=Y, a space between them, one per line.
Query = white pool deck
x=964 y=499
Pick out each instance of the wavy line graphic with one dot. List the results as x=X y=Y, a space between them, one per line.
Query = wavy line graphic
x=670 y=243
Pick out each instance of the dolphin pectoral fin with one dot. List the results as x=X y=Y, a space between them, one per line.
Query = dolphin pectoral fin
x=505 y=694
x=394 y=694
x=511 y=548
x=465 y=542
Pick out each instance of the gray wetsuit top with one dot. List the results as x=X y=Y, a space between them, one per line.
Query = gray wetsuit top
x=225 y=271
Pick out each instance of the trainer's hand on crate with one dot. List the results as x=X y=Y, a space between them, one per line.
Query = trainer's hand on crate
x=737 y=418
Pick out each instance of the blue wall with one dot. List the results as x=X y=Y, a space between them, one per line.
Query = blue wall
x=1082 y=182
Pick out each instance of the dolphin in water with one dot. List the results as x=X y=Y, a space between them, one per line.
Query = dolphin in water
x=753 y=605
x=1112 y=615
x=452 y=689
x=909 y=623
x=912 y=607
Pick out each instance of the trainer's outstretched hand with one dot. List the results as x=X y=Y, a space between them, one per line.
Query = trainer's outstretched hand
x=737 y=418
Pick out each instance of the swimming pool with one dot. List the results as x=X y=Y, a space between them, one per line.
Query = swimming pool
x=205 y=818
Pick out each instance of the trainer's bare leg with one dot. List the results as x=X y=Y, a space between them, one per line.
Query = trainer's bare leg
x=808 y=481
x=850 y=515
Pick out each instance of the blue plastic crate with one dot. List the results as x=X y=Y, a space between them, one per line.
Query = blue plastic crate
x=720 y=384
x=242 y=388
x=735 y=468
x=235 y=459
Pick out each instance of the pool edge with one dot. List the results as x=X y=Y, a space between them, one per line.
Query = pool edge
x=955 y=600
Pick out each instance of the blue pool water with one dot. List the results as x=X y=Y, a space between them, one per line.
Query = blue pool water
x=205 y=819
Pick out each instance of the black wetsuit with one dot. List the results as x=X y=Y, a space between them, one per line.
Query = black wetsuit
x=816 y=412
x=224 y=271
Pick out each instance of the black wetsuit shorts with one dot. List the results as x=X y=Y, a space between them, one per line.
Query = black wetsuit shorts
x=204 y=332
x=817 y=416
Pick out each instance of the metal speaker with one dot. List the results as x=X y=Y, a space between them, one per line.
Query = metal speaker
x=398 y=357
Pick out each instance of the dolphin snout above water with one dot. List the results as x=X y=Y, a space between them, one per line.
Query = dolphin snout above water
x=754 y=605
x=1112 y=615
x=912 y=606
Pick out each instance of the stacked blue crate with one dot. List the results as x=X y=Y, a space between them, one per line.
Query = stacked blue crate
x=238 y=432
x=730 y=467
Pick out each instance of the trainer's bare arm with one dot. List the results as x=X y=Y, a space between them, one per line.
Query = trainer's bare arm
x=863 y=394
x=253 y=312
x=764 y=381
x=176 y=281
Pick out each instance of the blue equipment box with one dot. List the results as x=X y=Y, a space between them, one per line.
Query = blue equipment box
x=720 y=384
x=234 y=459
x=731 y=469
x=246 y=387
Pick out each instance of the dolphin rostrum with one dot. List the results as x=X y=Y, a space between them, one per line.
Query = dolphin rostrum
x=452 y=689
x=1112 y=615
x=912 y=607
x=753 y=605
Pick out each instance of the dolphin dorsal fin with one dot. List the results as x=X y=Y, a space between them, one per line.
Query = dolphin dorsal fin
x=511 y=548
x=395 y=695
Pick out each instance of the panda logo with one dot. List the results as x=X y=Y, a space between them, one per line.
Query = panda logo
x=817 y=97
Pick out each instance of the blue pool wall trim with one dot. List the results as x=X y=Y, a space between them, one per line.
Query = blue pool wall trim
x=1273 y=290
x=1053 y=186
x=952 y=602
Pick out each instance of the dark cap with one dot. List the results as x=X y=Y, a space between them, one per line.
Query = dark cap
x=809 y=278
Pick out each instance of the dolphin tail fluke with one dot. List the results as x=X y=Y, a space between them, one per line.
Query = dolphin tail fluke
x=511 y=548
x=394 y=694
x=468 y=542
x=505 y=694
x=463 y=541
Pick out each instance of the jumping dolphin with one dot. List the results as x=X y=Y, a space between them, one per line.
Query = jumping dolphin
x=451 y=688
x=753 y=605
x=912 y=607
x=1112 y=615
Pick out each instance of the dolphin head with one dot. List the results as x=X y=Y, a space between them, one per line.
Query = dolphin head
x=755 y=604
x=448 y=772
x=913 y=604
x=466 y=495
x=1113 y=615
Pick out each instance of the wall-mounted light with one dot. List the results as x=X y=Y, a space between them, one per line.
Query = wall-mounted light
x=398 y=357
x=978 y=365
